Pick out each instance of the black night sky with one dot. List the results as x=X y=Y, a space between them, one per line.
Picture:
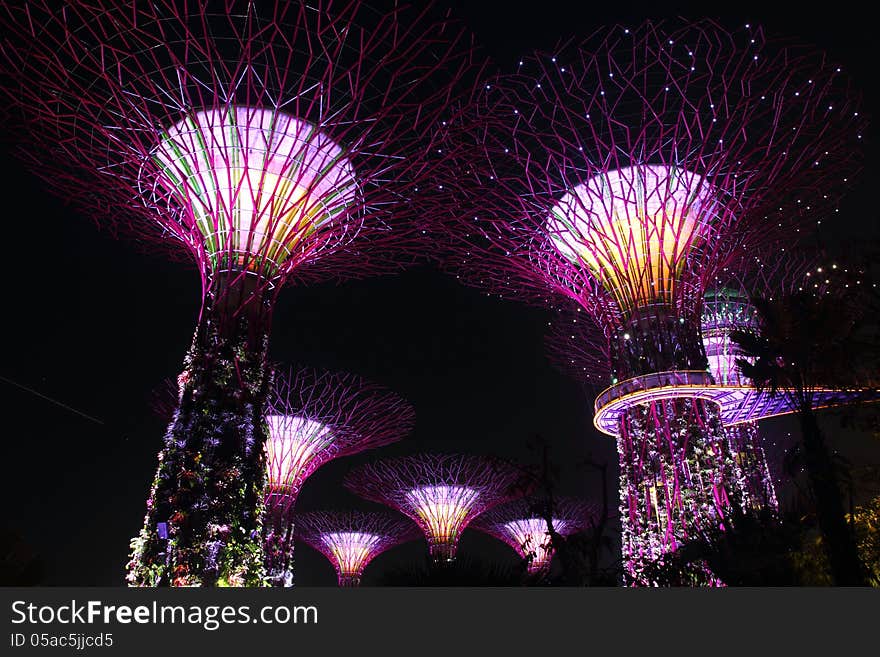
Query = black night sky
x=95 y=324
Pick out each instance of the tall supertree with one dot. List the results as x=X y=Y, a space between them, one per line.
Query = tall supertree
x=352 y=539
x=315 y=417
x=626 y=173
x=442 y=493
x=579 y=348
x=520 y=524
x=725 y=310
x=263 y=145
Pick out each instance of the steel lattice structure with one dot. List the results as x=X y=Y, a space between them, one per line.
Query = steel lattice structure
x=352 y=539
x=519 y=524
x=442 y=493
x=315 y=417
x=627 y=172
x=264 y=145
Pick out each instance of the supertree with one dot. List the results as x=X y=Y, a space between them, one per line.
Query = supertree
x=579 y=348
x=442 y=493
x=315 y=417
x=626 y=172
x=264 y=145
x=725 y=310
x=352 y=539
x=520 y=524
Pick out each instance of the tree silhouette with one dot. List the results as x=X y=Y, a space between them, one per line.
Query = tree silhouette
x=19 y=564
x=579 y=554
x=820 y=336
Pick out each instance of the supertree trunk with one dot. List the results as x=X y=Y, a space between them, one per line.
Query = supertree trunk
x=204 y=515
x=349 y=580
x=279 y=542
x=657 y=339
x=754 y=481
x=674 y=471
x=443 y=554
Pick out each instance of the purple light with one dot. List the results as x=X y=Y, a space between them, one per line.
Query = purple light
x=316 y=417
x=521 y=524
x=442 y=493
x=529 y=536
x=293 y=446
x=352 y=539
x=252 y=181
x=443 y=510
x=633 y=229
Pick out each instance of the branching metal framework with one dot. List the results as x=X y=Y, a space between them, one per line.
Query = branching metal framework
x=627 y=172
x=518 y=524
x=266 y=145
x=352 y=539
x=315 y=417
x=442 y=493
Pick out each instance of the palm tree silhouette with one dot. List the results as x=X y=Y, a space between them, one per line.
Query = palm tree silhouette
x=807 y=341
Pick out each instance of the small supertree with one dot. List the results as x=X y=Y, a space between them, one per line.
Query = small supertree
x=519 y=525
x=315 y=417
x=626 y=172
x=442 y=493
x=352 y=539
x=266 y=146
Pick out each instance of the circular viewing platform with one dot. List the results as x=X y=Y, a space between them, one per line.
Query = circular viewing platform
x=738 y=403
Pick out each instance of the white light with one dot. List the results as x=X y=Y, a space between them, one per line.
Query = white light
x=255 y=182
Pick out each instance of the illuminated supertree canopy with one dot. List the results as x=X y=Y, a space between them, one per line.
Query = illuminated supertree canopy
x=265 y=146
x=315 y=417
x=352 y=539
x=519 y=524
x=442 y=493
x=627 y=173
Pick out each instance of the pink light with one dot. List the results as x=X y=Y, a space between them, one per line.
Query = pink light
x=352 y=539
x=724 y=311
x=442 y=493
x=352 y=551
x=296 y=447
x=443 y=510
x=529 y=536
x=252 y=181
x=633 y=228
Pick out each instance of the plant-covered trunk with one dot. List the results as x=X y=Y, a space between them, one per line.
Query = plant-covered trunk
x=754 y=483
x=278 y=540
x=204 y=515
x=840 y=545
x=675 y=474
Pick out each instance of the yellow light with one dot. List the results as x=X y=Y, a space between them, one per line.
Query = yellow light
x=255 y=183
x=633 y=228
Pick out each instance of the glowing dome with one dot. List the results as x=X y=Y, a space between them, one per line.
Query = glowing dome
x=296 y=447
x=529 y=535
x=443 y=510
x=633 y=229
x=256 y=183
x=351 y=551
